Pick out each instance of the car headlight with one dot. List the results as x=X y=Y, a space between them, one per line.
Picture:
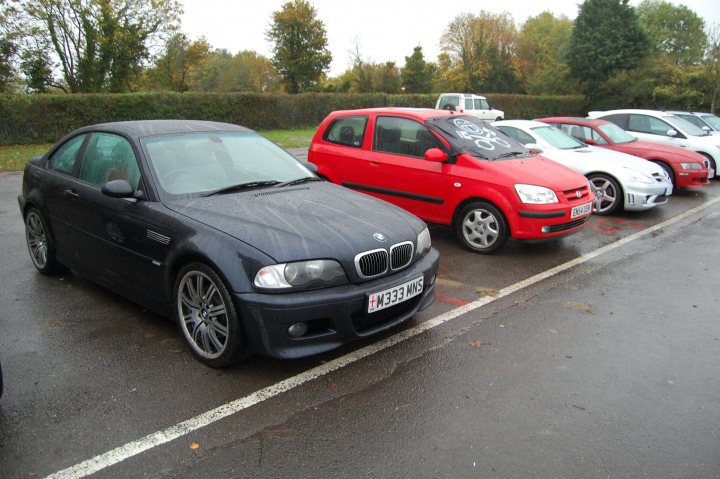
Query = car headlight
x=538 y=195
x=423 y=243
x=691 y=166
x=642 y=177
x=301 y=273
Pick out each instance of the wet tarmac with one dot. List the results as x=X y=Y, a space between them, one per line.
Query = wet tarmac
x=608 y=368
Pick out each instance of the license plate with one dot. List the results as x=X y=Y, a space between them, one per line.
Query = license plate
x=393 y=296
x=581 y=210
x=711 y=173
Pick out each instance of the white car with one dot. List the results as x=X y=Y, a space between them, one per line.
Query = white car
x=469 y=104
x=618 y=180
x=704 y=121
x=663 y=127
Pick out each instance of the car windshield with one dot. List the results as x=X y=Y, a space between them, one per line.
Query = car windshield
x=684 y=126
x=616 y=134
x=471 y=135
x=201 y=163
x=712 y=120
x=557 y=138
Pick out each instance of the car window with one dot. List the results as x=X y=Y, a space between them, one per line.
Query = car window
x=109 y=157
x=678 y=123
x=557 y=138
x=348 y=131
x=620 y=119
x=712 y=120
x=616 y=134
x=447 y=101
x=695 y=120
x=403 y=136
x=517 y=135
x=648 y=124
x=64 y=158
x=484 y=105
x=468 y=104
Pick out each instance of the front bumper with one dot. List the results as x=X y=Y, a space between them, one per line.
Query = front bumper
x=334 y=315
x=641 y=196
x=693 y=178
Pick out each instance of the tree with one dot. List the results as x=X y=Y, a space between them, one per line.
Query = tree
x=481 y=52
x=540 y=44
x=675 y=31
x=712 y=64
x=416 y=75
x=606 y=37
x=100 y=45
x=173 y=68
x=299 y=40
x=245 y=71
x=8 y=44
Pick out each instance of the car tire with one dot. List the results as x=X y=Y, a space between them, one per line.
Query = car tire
x=207 y=317
x=481 y=227
x=668 y=170
x=40 y=246
x=608 y=194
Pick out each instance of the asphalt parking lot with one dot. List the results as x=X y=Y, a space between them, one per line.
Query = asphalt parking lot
x=593 y=356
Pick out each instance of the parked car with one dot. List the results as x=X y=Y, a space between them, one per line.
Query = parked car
x=704 y=121
x=221 y=229
x=454 y=170
x=618 y=180
x=469 y=104
x=686 y=169
x=662 y=127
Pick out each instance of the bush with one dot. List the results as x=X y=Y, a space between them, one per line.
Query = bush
x=46 y=118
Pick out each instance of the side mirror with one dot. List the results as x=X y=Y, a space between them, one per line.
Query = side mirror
x=118 y=189
x=534 y=148
x=706 y=128
x=671 y=133
x=436 y=155
x=588 y=141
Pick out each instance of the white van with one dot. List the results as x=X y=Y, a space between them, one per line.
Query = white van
x=469 y=104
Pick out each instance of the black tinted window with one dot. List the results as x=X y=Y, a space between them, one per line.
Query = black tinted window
x=65 y=157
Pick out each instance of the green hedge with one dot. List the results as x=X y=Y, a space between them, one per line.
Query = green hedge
x=26 y=119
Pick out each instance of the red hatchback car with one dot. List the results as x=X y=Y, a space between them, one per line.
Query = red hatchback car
x=687 y=169
x=454 y=170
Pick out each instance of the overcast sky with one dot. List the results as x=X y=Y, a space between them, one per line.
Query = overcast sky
x=385 y=30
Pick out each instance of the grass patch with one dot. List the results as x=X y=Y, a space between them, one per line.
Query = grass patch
x=290 y=138
x=14 y=157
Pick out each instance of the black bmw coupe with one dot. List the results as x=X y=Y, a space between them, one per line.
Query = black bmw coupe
x=221 y=229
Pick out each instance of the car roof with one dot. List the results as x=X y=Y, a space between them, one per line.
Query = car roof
x=466 y=95
x=419 y=113
x=520 y=123
x=575 y=119
x=657 y=113
x=142 y=128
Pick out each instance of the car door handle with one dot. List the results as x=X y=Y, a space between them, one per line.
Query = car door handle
x=73 y=193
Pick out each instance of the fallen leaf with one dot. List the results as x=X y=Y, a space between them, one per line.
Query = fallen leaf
x=476 y=343
x=194 y=446
x=582 y=307
x=487 y=292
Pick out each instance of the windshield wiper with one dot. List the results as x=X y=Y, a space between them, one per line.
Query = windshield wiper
x=299 y=181
x=243 y=186
x=511 y=154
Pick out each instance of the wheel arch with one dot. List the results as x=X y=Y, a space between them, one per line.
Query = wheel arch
x=459 y=207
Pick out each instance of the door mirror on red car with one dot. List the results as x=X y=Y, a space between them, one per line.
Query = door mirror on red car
x=435 y=155
x=589 y=141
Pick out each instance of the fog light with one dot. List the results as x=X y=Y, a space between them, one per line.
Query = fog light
x=545 y=229
x=432 y=280
x=297 y=330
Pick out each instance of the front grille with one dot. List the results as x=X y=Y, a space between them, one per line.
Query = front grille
x=400 y=255
x=567 y=226
x=371 y=263
x=577 y=194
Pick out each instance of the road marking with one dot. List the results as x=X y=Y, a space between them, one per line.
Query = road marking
x=134 y=448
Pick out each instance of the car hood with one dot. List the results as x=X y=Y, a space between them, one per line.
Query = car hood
x=669 y=153
x=312 y=221
x=535 y=170
x=591 y=159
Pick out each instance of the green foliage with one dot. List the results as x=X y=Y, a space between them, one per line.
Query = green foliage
x=224 y=72
x=100 y=45
x=606 y=37
x=540 y=45
x=675 y=31
x=300 y=51
x=46 y=118
x=181 y=56
x=417 y=75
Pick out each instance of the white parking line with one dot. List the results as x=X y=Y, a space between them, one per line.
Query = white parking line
x=134 y=448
